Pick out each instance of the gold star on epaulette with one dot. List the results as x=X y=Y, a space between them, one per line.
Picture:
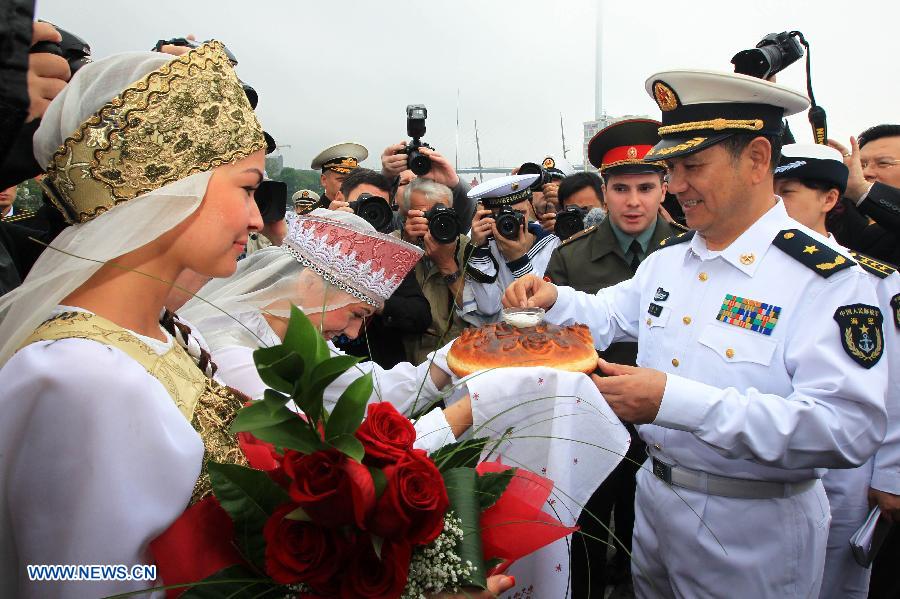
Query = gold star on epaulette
x=809 y=252
x=810 y=249
x=873 y=266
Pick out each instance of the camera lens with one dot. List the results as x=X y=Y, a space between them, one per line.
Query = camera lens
x=568 y=223
x=418 y=163
x=443 y=224
x=375 y=211
x=508 y=223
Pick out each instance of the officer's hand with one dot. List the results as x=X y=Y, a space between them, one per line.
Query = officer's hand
x=416 y=225
x=633 y=393
x=47 y=73
x=178 y=50
x=441 y=169
x=442 y=254
x=495 y=585
x=340 y=205
x=392 y=161
x=548 y=221
x=530 y=292
x=513 y=249
x=857 y=186
x=888 y=502
x=482 y=227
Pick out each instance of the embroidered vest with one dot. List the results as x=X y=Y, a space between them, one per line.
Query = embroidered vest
x=209 y=406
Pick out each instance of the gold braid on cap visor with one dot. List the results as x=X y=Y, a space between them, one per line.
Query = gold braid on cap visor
x=714 y=124
x=189 y=116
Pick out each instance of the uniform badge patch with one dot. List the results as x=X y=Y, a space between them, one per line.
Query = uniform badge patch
x=861 y=336
x=661 y=295
x=665 y=96
x=655 y=310
x=749 y=314
x=895 y=308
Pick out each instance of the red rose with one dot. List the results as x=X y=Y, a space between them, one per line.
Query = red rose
x=370 y=577
x=332 y=488
x=386 y=434
x=414 y=501
x=303 y=552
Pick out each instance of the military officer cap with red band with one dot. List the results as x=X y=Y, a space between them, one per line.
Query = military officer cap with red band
x=620 y=148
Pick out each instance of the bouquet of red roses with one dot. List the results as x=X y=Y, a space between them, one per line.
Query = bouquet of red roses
x=341 y=504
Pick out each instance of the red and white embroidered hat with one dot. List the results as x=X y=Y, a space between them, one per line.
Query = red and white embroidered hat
x=350 y=254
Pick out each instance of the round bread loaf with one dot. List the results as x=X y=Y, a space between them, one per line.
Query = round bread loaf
x=500 y=345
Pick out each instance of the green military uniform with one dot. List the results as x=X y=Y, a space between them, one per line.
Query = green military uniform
x=593 y=259
x=446 y=324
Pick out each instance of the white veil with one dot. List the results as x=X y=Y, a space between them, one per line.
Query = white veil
x=116 y=232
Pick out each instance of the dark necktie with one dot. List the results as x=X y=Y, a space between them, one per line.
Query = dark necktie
x=635 y=249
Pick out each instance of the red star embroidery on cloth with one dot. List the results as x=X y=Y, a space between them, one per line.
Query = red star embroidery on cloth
x=559 y=567
x=540 y=381
x=475 y=397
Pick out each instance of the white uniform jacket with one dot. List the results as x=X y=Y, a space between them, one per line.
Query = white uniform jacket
x=776 y=406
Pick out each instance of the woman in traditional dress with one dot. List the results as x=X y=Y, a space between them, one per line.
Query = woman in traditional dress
x=108 y=421
x=338 y=270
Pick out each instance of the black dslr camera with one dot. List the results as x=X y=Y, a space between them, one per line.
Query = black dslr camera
x=75 y=50
x=532 y=168
x=509 y=221
x=443 y=224
x=252 y=96
x=271 y=199
x=375 y=210
x=415 y=127
x=570 y=221
x=772 y=54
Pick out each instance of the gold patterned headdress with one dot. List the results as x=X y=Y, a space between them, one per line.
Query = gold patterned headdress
x=189 y=116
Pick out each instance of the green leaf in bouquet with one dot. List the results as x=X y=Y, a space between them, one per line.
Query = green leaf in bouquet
x=309 y=403
x=328 y=371
x=462 y=490
x=349 y=446
x=379 y=479
x=234 y=581
x=350 y=408
x=259 y=415
x=278 y=368
x=491 y=486
x=462 y=454
x=298 y=514
x=249 y=496
x=275 y=400
x=303 y=338
x=290 y=435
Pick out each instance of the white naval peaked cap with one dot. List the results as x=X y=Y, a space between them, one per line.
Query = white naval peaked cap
x=342 y=157
x=501 y=191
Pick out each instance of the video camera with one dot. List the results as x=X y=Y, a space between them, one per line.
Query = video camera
x=569 y=221
x=75 y=50
x=415 y=127
x=252 y=96
x=443 y=224
x=375 y=210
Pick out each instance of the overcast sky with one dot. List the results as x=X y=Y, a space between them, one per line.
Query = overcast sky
x=336 y=71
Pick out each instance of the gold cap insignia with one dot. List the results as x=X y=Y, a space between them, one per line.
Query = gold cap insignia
x=514 y=187
x=665 y=96
x=305 y=194
x=188 y=116
x=632 y=152
x=549 y=162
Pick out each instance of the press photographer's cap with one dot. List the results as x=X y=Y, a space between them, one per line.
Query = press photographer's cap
x=813 y=162
x=559 y=168
x=701 y=108
x=503 y=191
x=340 y=158
x=620 y=148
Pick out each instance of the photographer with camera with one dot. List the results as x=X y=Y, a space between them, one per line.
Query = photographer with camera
x=403 y=162
x=582 y=207
x=336 y=162
x=545 y=191
x=600 y=256
x=367 y=194
x=509 y=243
x=431 y=223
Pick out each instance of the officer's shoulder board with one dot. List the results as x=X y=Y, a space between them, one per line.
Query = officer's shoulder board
x=23 y=215
x=679 y=226
x=811 y=252
x=579 y=235
x=882 y=270
x=676 y=239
